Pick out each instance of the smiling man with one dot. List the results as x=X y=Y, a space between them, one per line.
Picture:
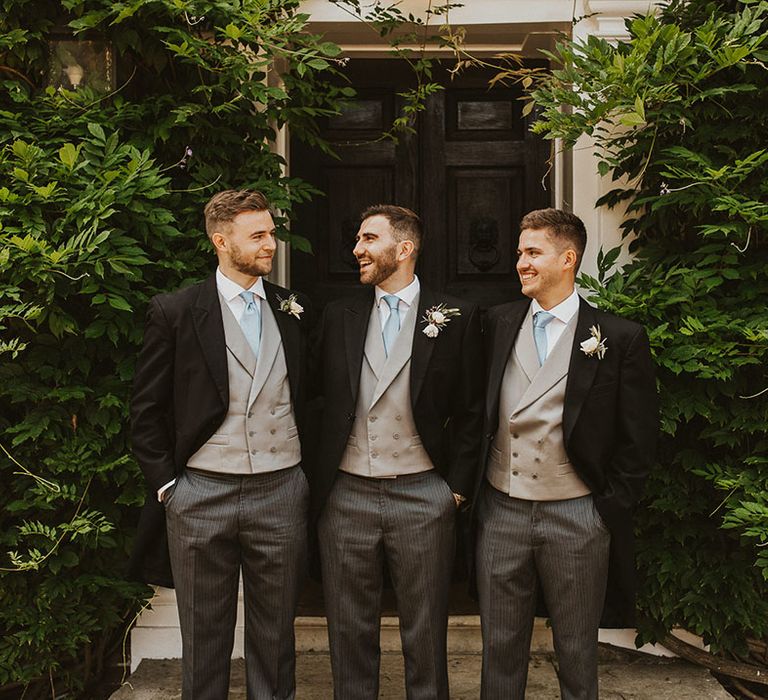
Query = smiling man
x=216 y=417
x=398 y=454
x=570 y=427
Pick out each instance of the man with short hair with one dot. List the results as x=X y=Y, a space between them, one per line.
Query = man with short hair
x=216 y=417
x=570 y=426
x=402 y=382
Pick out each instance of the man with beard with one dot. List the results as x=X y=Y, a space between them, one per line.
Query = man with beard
x=401 y=375
x=216 y=415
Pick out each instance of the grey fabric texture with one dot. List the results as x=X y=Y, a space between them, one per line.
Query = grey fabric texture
x=564 y=546
x=384 y=440
x=409 y=523
x=259 y=432
x=216 y=525
x=527 y=458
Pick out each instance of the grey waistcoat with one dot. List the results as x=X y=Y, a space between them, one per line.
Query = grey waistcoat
x=527 y=458
x=259 y=432
x=384 y=441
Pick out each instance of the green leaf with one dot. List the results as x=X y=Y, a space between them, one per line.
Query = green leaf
x=68 y=154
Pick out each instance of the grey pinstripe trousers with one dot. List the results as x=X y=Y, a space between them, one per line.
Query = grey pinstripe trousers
x=217 y=525
x=565 y=545
x=409 y=522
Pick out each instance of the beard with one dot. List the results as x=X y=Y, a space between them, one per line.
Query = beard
x=381 y=267
x=255 y=267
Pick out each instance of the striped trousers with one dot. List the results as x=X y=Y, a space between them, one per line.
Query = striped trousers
x=220 y=525
x=562 y=546
x=407 y=522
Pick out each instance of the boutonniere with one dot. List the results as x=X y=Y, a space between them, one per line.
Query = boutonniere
x=437 y=318
x=595 y=344
x=291 y=306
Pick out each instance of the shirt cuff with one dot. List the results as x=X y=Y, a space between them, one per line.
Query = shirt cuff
x=163 y=489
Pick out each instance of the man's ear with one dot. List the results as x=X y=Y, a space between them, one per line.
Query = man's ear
x=570 y=259
x=219 y=240
x=407 y=248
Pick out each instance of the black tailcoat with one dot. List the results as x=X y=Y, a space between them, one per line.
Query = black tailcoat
x=181 y=396
x=610 y=425
x=446 y=388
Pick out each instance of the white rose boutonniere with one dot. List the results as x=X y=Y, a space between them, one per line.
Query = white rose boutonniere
x=437 y=318
x=595 y=344
x=291 y=306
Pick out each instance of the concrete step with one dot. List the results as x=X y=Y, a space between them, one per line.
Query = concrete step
x=623 y=676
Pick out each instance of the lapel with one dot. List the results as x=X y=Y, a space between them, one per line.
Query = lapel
x=236 y=341
x=505 y=333
x=552 y=371
x=290 y=333
x=356 y=316
x=209 y=327
x=374 y=343
x=422 y=346
x=525 y=348
x=401 y=352
x=268 y=349
x=581 y=374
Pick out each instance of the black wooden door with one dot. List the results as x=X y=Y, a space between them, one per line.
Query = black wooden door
x=471 y=170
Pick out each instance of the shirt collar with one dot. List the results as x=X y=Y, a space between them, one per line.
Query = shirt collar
x=407 y=294
x=564 y=311
x=231 y=290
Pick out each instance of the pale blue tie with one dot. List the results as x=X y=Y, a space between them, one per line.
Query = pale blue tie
x=392 y=326
x=250 y=321
x=540 y=321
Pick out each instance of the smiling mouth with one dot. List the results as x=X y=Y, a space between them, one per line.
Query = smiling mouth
x=364 y=263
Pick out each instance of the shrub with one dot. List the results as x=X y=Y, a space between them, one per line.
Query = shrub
x=678 y=117
x=101 y=201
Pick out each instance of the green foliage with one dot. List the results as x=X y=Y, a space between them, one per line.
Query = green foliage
x=101 y=200
x=678 y=117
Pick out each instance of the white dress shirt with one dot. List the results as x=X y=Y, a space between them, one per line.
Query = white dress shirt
x=562 y=313
x=406 y=296
x=230 y=291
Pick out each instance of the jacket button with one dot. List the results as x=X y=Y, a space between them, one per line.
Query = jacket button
x=374 y=454
x=515 y=435
x=272 y=431
x=395 y=454
x=251 y=433
x=372 y=419
x=398 y=418
x=534 y=476
x=273 y=450
x=373 y=437
x=489 y=436
x=396 y=436
x=515 y=472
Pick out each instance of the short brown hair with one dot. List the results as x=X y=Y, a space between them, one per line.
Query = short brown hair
x=565 y=228
x=224 y=206
x=406 y=224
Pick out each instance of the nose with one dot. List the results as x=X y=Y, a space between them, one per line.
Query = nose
x=357 y=251
x=272 y=242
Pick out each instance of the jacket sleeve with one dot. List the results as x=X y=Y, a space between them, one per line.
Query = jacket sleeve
x=152 y=423
x=467 y=409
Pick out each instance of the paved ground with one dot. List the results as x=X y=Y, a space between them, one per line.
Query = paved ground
x=622 y=677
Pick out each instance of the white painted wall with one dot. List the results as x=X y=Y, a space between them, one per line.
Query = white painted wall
x=156 y=634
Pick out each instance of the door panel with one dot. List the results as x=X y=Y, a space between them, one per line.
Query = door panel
x=471 y=170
